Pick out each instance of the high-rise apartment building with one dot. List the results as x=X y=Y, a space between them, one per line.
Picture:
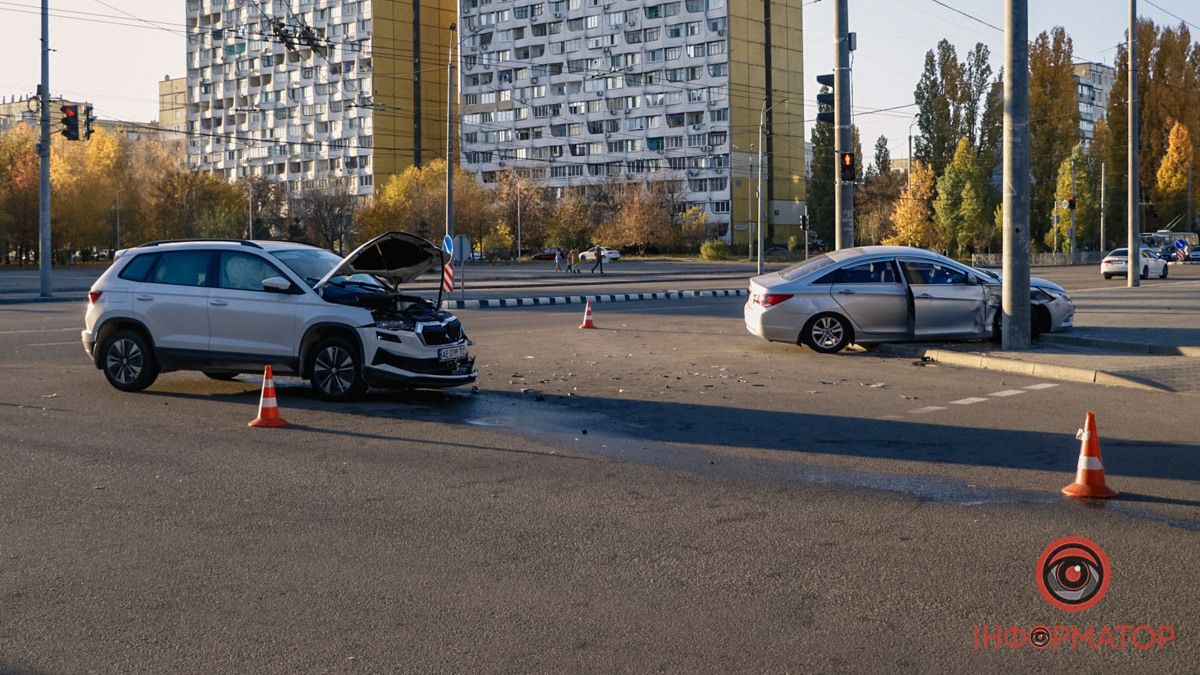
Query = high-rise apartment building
x=317 y=94
x=172 y=104
x=1093 y=82
x=573 y=92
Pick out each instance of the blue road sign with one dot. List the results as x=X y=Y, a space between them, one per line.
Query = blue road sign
x=1180 y=244
x=448 y=245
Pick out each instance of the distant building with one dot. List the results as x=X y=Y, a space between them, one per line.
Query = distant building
x=319 y=94
x=1093 y=82
x=172 y=104
x=579 y=92
x=17 y=109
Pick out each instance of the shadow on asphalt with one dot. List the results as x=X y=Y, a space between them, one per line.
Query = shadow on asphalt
x=552 y=415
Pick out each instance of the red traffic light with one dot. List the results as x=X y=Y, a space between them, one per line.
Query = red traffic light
x=69 y=110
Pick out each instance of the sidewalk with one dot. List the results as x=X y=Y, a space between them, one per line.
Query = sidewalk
x=1143 y=338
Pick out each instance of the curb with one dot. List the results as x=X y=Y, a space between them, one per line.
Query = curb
x=580 y=299
x=1122 y=346
x=1002 y=364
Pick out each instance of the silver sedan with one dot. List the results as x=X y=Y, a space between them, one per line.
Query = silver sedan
x=888 y=294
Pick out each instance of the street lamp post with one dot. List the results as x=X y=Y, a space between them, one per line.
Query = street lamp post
x=762 y=123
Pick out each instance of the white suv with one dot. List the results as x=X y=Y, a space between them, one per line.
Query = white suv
x=226 y=307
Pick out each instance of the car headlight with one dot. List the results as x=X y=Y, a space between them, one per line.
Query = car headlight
x=1043 y=294
x=396 y=324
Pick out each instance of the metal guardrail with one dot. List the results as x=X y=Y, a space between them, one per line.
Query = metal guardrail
x=1039 y=259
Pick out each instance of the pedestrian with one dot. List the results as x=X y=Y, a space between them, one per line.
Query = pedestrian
x=558 y=260
x=575 y=260
x=570 y=261
x=599 y=260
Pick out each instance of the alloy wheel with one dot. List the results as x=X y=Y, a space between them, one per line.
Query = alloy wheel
x=125 y=361
x=334 y=370
x=827 y=332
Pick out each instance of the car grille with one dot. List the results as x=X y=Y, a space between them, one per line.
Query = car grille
x=446 y=334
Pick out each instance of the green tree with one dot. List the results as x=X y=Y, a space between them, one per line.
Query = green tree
x=1054 y=115
x=883 y=157
x=1087 y=200
x=937 y=96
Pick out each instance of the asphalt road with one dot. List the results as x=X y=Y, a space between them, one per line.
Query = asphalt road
x=664 y=493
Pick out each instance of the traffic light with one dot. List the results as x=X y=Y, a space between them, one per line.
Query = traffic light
x=88 y=120
x=1071 y=203
x=847 y=164
x=804 y=222
x=70 y=122
x=825 y=99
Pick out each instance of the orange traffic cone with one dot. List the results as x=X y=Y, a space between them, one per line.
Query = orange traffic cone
x=268 y=408
x=587 y=316
x=1089 y=476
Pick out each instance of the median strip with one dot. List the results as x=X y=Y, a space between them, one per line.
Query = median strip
x=489 y=303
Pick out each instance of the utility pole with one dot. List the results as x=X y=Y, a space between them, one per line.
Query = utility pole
x=117 y=243
x=44 y=248
x=1190 y=223
x=1072 y=210
x=844 y=195
x=1015 y=333
x=249 y=206
x=749 y=201
x=518 y=182
x=1102 y=202
x=762 y=120
x=1133 y=262
x=450 y=135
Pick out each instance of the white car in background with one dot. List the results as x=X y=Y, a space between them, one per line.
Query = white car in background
x=1116 y=264
x=590 y=255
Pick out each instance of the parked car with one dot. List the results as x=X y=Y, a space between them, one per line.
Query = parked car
x=548 y=254
x=1194 y=254
x=886 y=294
x=590 y=255
x=1116 y=264
x=226 y=307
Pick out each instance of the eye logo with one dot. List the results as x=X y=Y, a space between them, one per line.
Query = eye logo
x=1073 y=574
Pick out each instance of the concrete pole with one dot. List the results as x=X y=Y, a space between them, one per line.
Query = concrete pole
x=1102 y=203
x=1072 y=211
x=518 y=180
x=749 y=205
x=1134 y=264
x=117 y=244
x=249 y=206
x=1015 y=329
x=762 y=120
x=844 y=195
x=44 y=247
x=1190 y=223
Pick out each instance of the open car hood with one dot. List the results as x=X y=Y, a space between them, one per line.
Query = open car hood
x=396 y=257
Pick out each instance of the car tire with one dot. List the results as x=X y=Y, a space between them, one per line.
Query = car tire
x=222 y=375
x=1039 y=322
x=1108 y=276
x=1145 y=272
x=827 y=333
x=1163 y=275
x=335 y=370
x=127 y=361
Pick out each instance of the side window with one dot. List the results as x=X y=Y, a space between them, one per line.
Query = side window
x=182 y=268
x=245 y=272
x=924 y=273
x=878 y=272
x=138 y=267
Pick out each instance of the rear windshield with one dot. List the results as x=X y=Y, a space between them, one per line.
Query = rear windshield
x=807 y=267
x=1120 y=251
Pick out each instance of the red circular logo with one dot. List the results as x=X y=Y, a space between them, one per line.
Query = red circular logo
x=1073 y=573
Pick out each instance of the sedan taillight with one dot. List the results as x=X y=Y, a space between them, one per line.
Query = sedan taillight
x=771 y=299
x=93 y=296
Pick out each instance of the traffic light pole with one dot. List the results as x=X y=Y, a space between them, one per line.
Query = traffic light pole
x=1072 y=211
x=844 y=195
x=44 y=250
x=1133 y=192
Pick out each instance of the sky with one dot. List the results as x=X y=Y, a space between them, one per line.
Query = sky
x=113 y=52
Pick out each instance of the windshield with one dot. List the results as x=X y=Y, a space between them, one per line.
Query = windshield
x=811 y=265
x=309 y=264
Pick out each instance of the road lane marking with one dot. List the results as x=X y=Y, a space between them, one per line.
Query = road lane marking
x=37 y=330
x=926 y=409
x=1006 y=393
x=968 y=401
x=53 y=344
x=1042 y=385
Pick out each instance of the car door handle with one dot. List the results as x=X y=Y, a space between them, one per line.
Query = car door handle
x=218 y=303
x=924 y=295
x=846 y=292
x=146 y=298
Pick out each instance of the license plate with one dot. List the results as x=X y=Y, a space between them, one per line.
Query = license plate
x=451 y=353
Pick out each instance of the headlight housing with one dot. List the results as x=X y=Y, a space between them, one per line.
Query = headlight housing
x=396 y=324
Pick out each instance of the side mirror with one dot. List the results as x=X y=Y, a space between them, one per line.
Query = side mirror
x=277 y=285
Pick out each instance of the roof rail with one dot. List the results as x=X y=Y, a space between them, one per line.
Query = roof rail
x=243 y=242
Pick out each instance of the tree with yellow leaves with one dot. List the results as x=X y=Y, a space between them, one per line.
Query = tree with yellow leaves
x=414 y=200
x=913 y=215
x=1170 y=190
